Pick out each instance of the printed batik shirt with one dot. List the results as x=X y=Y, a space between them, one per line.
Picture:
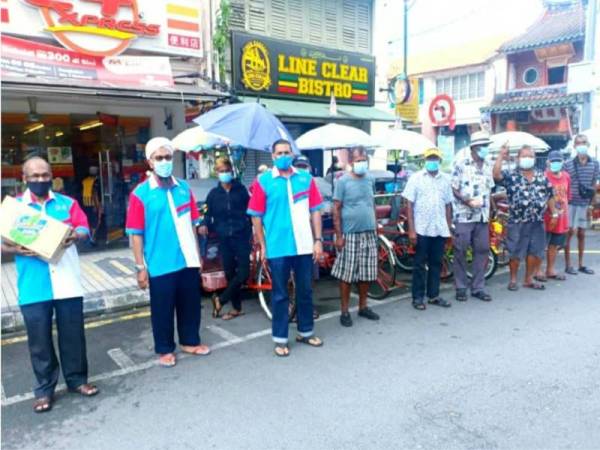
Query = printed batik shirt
x=527 y=200
x=471 y=181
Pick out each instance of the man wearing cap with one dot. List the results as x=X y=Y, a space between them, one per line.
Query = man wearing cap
x=557 y=224
x=285 y=209
x=47 y=289
x=472 y=183
x=429 y=196
x=584 y=172
x=162 y=219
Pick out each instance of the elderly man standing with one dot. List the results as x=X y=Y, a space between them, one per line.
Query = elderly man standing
x=286 y=203
x=472 y=183
x=429 y=198
x=161 y=221
x=46 y=288
x=356 y=237
x=529 y=194
x=584 y=172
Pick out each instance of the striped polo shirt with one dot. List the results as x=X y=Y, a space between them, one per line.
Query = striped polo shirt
x=588 y=176
x=166 y=217
x=39 y=281
x=285 y=205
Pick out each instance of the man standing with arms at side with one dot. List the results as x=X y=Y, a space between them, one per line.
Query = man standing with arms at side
x=45 y=288
x=356 y=236
x=286 y=203
x=161 y=220
x=584 y=172
x=472 y=183
x=429 y=198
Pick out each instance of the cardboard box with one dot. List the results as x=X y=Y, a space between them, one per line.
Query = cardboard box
x=26 y=226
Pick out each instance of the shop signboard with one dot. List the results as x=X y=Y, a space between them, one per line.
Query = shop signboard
x=274 y=68
x=60 y=155
x=409 y=110
x=109 y=27
x=21 y=58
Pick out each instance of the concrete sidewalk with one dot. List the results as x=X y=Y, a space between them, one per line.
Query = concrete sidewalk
x=109 y=285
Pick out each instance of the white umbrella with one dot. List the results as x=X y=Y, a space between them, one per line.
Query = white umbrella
x=332 y=136
x=196 y=139
x=516 y=140
x=398 y=139
x=593 y=135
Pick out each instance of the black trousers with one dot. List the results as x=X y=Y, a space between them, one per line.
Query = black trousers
x=235 y=253
x=176 y=293
x=428 y=267
x=71 y=343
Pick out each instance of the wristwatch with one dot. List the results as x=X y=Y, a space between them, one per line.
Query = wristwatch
x=139 y=268
x=320 y=239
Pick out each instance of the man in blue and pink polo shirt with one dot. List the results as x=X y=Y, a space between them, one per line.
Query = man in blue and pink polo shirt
x=162 y=220
x=45 y=288
x=286 y=203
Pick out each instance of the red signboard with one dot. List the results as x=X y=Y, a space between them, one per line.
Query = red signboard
x=27 y=58
x=442 y=111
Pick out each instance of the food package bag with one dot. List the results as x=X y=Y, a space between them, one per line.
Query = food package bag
x=23 y=225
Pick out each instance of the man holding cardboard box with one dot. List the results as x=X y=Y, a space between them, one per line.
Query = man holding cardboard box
x=45 y=287
x=161 y=219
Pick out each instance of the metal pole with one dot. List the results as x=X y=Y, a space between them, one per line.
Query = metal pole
x=406 y=37
x=588 y=55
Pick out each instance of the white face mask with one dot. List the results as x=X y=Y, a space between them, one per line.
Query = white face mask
x=526 y=163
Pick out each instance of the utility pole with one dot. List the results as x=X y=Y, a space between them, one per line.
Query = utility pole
x=406 y=38
x=589 y=52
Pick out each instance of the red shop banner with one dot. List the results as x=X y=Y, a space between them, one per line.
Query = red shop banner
x=22 y=58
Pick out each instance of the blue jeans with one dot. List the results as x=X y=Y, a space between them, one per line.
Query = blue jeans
x=302 y=265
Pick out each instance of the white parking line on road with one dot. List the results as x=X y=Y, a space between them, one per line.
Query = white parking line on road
x=231 y=340
x=228 y=336
x=2 y=394
x=120 y=358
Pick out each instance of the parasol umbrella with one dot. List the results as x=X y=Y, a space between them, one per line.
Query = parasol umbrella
x=411 y=142
x=249 y=125
x=332 y=136
x=196 y=139
x=516 y=140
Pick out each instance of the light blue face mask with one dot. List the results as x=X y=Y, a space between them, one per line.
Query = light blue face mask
x=225 y=177
x=556 y=166
x=483 y=152
x=283 y=162
x=360 y=167
x=432 y=165
x=163 y=168
x=526 y=163
x=582 y=149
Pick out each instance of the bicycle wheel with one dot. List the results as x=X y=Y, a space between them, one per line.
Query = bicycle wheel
x=264 y=283
x=492 y=265
x=386 y=272
x=404 y=260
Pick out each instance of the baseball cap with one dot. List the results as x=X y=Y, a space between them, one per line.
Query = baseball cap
x=433 y=151
x=156 y=143
x=301 y=161
x=555 y=155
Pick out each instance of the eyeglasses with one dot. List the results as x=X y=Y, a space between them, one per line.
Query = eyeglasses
x=163 y=158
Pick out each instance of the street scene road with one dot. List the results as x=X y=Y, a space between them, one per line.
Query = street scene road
x=520 y=372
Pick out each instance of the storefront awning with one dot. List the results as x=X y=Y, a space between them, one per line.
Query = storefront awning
x=530 y=100
x=312 y=110
x=31 y=86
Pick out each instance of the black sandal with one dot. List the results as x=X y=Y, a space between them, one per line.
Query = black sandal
x=419 y=306
x=285 y=350
x=42 y=404
x=586 y=270
x=571 y=270
x=313 y=341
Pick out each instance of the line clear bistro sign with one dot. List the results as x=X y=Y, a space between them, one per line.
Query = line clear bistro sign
x=275 y=68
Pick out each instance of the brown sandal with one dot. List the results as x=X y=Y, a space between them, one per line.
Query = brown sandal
x=42 y=404
x=86 y=389
x=232 y=314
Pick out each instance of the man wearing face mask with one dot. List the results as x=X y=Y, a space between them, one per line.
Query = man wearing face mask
x=356 y=236
x=285 y=210
x=429 y=196
x=556 y=224
x=584 y=172
x=529 y=193
x=226 y=216
x=472 y=184
x=52 y=288
x=161 y=220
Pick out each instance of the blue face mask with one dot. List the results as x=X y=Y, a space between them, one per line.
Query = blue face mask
x=556 y=166
x=582 y=149
x=483 y=152
x=526 y=163
x=283 y=162
x=360 y=167
x=432 y=165
x=163 y=168
x=225 y=177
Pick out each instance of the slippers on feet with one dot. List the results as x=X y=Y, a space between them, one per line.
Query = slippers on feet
x=42 y=404
x=313 y=341
x=167 y=360
x=536 y=286
x=513 y=287
x=541 y=279
x=281 y=350
x=198 y=350
x=558 y=276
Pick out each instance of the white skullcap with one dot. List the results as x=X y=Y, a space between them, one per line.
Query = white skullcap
x=156 y=143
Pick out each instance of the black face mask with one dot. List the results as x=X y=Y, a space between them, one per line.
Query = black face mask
x=39 y=188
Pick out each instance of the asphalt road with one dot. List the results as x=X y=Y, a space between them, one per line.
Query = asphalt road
x=521 y=372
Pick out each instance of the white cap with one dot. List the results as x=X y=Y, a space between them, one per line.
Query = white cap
x=156 y=143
